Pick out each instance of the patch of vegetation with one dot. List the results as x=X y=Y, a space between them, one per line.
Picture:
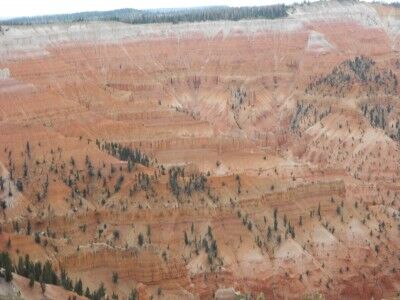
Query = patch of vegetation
x=383 y=117
x=45 y=274
x=6 y=265
x=181 y=184
x=359 y=74
x=134 y=16
x=124 y=153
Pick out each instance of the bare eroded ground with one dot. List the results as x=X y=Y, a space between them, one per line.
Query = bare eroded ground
x=273 y=152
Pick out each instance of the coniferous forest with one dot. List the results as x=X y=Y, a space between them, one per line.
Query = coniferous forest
x=134 y=16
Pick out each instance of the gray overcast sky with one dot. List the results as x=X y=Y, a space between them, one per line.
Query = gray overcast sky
x=15 y=8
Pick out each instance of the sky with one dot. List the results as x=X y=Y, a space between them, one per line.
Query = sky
x=18 y=8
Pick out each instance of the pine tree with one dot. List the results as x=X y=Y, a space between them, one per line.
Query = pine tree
x=28 y=228
x=31 y=281
x=43 y=287
x=133 y=295
x=87 y=293
x=186 y=238
x=140 y=239
x=78 y=287
x=5 y=262
x=115 y=277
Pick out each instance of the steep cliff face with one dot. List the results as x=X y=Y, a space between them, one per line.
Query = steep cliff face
x=257 y=157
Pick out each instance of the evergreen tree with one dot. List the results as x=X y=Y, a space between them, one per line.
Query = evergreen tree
x=78 y=287
x=28 y=228
x=115 y=277
x=87 y=293
x=31 y=281
x=5 y=262
x=140 y=239
x=133 y=295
